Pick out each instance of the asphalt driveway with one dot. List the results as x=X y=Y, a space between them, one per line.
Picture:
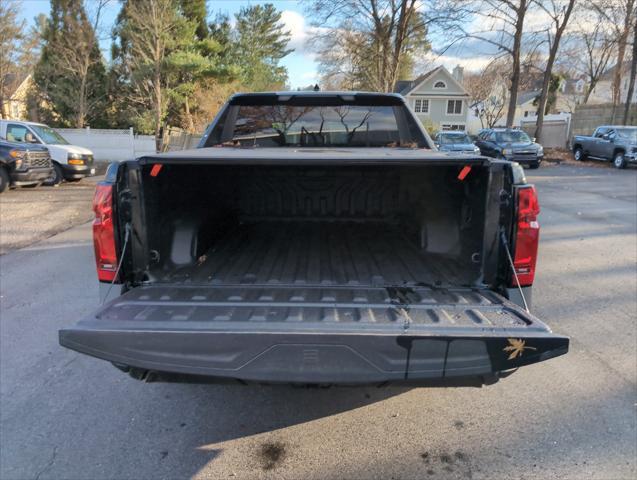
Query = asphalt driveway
x=28 y=215
x=69 y=416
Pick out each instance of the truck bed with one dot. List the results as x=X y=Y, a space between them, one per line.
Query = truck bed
x=320 y=254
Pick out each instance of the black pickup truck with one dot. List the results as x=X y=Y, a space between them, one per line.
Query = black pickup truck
x=22 y=165
x=316 y=238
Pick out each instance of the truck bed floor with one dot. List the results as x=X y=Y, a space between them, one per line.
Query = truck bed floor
x=319 y=253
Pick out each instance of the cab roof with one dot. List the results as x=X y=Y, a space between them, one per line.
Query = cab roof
x=307 y=97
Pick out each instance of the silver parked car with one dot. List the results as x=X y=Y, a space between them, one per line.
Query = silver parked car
x=455 y=142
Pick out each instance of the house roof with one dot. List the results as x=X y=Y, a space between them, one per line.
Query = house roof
x=610 y=71
x=14 y=81
x=404 y=87
x=526 y=96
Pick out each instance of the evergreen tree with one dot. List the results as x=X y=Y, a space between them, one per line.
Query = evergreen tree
x=260 y=44
x=195 y=11
x=70 y=76
x=158 y=59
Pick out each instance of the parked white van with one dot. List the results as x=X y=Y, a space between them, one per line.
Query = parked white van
x=70 y=162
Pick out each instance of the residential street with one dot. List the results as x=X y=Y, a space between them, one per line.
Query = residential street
x=68 y=416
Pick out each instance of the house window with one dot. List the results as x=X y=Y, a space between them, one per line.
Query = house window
x=450 y=127
x=440 y=84
x=454 y=107
x=421 y=106
x=526 y=113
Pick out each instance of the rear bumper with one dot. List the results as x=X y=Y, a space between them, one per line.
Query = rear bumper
x=318 y=342
x=526 y=160
x=75 y=172
x=335 y=358
x=31 y=176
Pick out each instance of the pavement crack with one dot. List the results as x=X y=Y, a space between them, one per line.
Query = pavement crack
x=49 y=464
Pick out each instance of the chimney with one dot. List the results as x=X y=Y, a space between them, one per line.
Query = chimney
x=458 y=74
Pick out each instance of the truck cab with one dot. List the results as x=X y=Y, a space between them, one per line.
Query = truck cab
x=70 y=162
x=23 y=166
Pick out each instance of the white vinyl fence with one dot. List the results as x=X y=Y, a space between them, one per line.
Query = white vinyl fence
x=110 y=145
x=555 y=130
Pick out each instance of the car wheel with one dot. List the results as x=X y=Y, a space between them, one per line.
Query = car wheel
x=4 y=179
x=578 y=153
x=534 y=165
x=619 y=161
x=55 y=179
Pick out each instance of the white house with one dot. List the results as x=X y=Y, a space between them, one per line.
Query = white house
x=438 y=98
x=603 y=91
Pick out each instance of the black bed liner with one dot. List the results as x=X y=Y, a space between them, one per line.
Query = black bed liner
x=319 y=253
x=314 y=334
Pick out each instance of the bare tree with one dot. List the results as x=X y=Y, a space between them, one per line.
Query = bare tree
x=500 y=23
x=599 y=47
x=10 y=39
x=488 y=92
x=559 y=12
x=373 y=40
x=620 y=15
x=633 y=74
x=148 y=30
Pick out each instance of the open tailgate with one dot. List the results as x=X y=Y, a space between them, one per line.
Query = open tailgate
x=335 y=335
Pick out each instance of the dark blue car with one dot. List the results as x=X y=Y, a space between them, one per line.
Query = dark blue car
x=455 y=142
x=510 y=144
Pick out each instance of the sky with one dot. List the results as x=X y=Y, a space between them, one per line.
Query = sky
x=301 y=64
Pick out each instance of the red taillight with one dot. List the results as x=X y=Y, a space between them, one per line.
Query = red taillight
x=104 y=233
x=527 y=236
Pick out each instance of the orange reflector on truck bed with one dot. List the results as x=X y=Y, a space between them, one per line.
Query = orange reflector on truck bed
x=464 y=172
x=155 y=170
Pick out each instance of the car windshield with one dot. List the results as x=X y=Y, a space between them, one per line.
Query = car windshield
x=512 y=137
x=48 y=135
x=629 y=134
x=454 y=138
x=307 y=125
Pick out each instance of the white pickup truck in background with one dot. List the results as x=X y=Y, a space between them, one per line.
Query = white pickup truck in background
x=70 y=162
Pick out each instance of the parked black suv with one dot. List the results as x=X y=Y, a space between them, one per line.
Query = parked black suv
x=22 y=165
x=510 y=144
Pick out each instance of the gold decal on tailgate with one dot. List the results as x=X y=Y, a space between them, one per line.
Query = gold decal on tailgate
x=516 y=347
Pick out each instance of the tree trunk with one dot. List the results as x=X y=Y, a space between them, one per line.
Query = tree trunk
x=589 y=90
x=158 y=113
x=515 y=74
x=633 y=73
x=81 y=110
x=549 y=70
x=1 y=105
x=543 y=96
x=621 y=53
x=189 y=121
